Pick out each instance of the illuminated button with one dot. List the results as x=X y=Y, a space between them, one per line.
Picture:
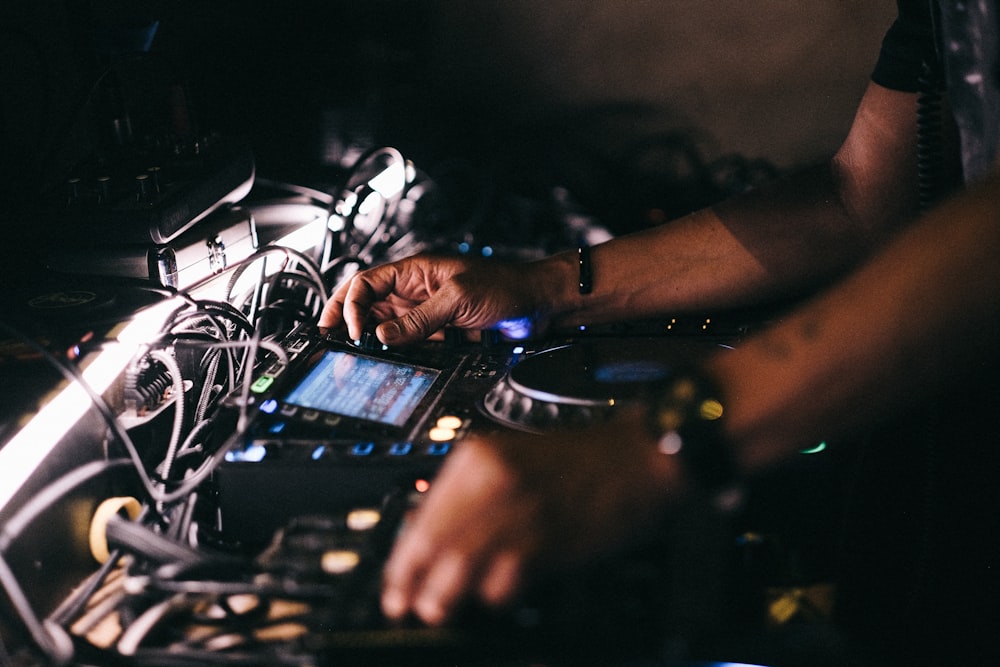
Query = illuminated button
x=363 y=448
x=439 y=449
x=252 y=453
x=450 y=422
x=438 y=434
x=310 y=415
x=363 y=519
x=262 y=384
x=276 y=427
x=317 y=453
x=339 y=561
x=401 y=449
x=269 y=406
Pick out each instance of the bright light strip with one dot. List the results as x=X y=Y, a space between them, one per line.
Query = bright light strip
x=390 y=181
x=306 y=237
x=25 y=452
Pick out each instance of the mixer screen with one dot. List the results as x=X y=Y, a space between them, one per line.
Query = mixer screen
x=370 y=389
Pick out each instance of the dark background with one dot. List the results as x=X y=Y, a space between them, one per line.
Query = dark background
x=643 y=109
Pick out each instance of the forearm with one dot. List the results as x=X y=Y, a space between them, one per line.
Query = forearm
x=918 y=318
x=773 y=243
x=781 y=240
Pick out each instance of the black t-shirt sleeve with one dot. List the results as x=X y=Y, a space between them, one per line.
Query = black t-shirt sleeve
x=908 y=44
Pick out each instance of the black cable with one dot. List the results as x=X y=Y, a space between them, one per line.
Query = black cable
x=48 y=637
x=74 y=605
x=48 y=496
x=191 y=335
x=931 y=176
x=289 y=253
x=44 y=632
x=236 y=317
x=73 y=375
x=930 y=138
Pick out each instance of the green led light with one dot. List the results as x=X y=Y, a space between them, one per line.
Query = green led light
x=814 y=450
x=262 y=384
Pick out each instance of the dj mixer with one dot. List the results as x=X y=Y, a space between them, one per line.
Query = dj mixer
x=339 y=424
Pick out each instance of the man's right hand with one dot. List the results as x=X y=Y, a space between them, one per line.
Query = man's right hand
x=413 y=298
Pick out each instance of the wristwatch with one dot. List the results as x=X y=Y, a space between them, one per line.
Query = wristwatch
x=685 y=414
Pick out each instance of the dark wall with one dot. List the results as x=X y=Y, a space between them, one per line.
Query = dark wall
x=600 y=95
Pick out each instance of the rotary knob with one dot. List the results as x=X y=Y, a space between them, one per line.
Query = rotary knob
x=369 y=342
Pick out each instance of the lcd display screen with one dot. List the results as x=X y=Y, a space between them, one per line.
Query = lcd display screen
x=372 y=389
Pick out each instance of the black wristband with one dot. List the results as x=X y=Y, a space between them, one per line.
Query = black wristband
x=685 y=417
x=586 y=270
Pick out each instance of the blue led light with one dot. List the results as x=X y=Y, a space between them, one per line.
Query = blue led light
x=487 y=251
x=401 y=449
x=317 y=453
x=252 y=453
x=269 y=406
x=630 y=371
x=517 y=328
x=464 y=247
x=439 y=448
x=363 y=448
x=277 y=427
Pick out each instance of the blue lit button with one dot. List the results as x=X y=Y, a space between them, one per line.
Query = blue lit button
x=317 y=453
x=363 y=448
x=252 y=453
x=401 y=449
x=439 y=449
x=277 y=427
x=269 y=406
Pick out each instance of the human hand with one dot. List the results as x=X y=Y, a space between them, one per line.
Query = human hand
x=508 y=506
x=417 y=296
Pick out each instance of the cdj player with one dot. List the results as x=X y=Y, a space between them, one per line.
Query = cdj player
x=335 y=424
x=339 y=424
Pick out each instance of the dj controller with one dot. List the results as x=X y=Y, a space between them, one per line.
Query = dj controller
x=192 y=474
x=253 y=472
x=227 y=491
x=345 y=437
x=340 y=423
x=243 y=477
